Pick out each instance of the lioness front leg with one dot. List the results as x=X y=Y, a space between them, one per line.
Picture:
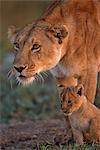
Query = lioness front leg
x=89 y=81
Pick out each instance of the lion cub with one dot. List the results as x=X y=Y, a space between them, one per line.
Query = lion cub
x=84 y=117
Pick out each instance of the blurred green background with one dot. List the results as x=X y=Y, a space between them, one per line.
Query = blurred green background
x=37 y=101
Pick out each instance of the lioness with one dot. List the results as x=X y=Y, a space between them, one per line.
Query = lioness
x=84 y=117
x=65 y=40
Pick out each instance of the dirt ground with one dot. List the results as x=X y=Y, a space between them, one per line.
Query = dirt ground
x=31 y=134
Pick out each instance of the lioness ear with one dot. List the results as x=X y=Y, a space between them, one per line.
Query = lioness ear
x=11 y=32
x=59 y=32
x=80 y=90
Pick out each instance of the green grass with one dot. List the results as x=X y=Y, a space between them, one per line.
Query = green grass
x=70 y=147
x=60 y=147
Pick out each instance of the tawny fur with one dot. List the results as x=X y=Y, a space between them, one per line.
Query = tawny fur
x=84 y=117
x=69 y=36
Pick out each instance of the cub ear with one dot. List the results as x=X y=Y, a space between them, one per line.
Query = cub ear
x=11 y=32
x=80 y=90
x=59 y=32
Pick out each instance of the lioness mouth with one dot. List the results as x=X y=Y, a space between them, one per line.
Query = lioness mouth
x=21 y=76
x=24 y=80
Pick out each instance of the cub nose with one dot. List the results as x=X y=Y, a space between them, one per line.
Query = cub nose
x=65 y=111
x=20 y=68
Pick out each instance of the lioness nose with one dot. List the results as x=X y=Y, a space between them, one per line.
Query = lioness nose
x=20 y=68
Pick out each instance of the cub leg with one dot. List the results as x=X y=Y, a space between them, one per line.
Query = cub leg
x=78 y=136
x=95 y=131
x=69 y=131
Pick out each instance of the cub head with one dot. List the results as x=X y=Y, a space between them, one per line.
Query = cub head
x=71 y=99
x=37 y=48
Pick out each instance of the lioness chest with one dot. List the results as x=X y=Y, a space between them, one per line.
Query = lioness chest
x=70 y=66
x=61 y=70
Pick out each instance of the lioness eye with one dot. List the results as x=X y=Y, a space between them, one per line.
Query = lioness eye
x=16 y=45
x=36 y=47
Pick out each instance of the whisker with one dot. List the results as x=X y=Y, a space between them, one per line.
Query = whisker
x=17 y=81
x=36 y=79
x=9 y=74
x=45 y=74
x=41 y=77
x=11 y=84
x=9 y=69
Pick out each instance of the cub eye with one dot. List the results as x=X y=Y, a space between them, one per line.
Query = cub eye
x=36 y=47
x=61 y=101
x=69 y=102
x=16 y=46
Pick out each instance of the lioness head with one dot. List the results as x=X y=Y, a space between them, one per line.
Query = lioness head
x=71 y=99
x=38 y=48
